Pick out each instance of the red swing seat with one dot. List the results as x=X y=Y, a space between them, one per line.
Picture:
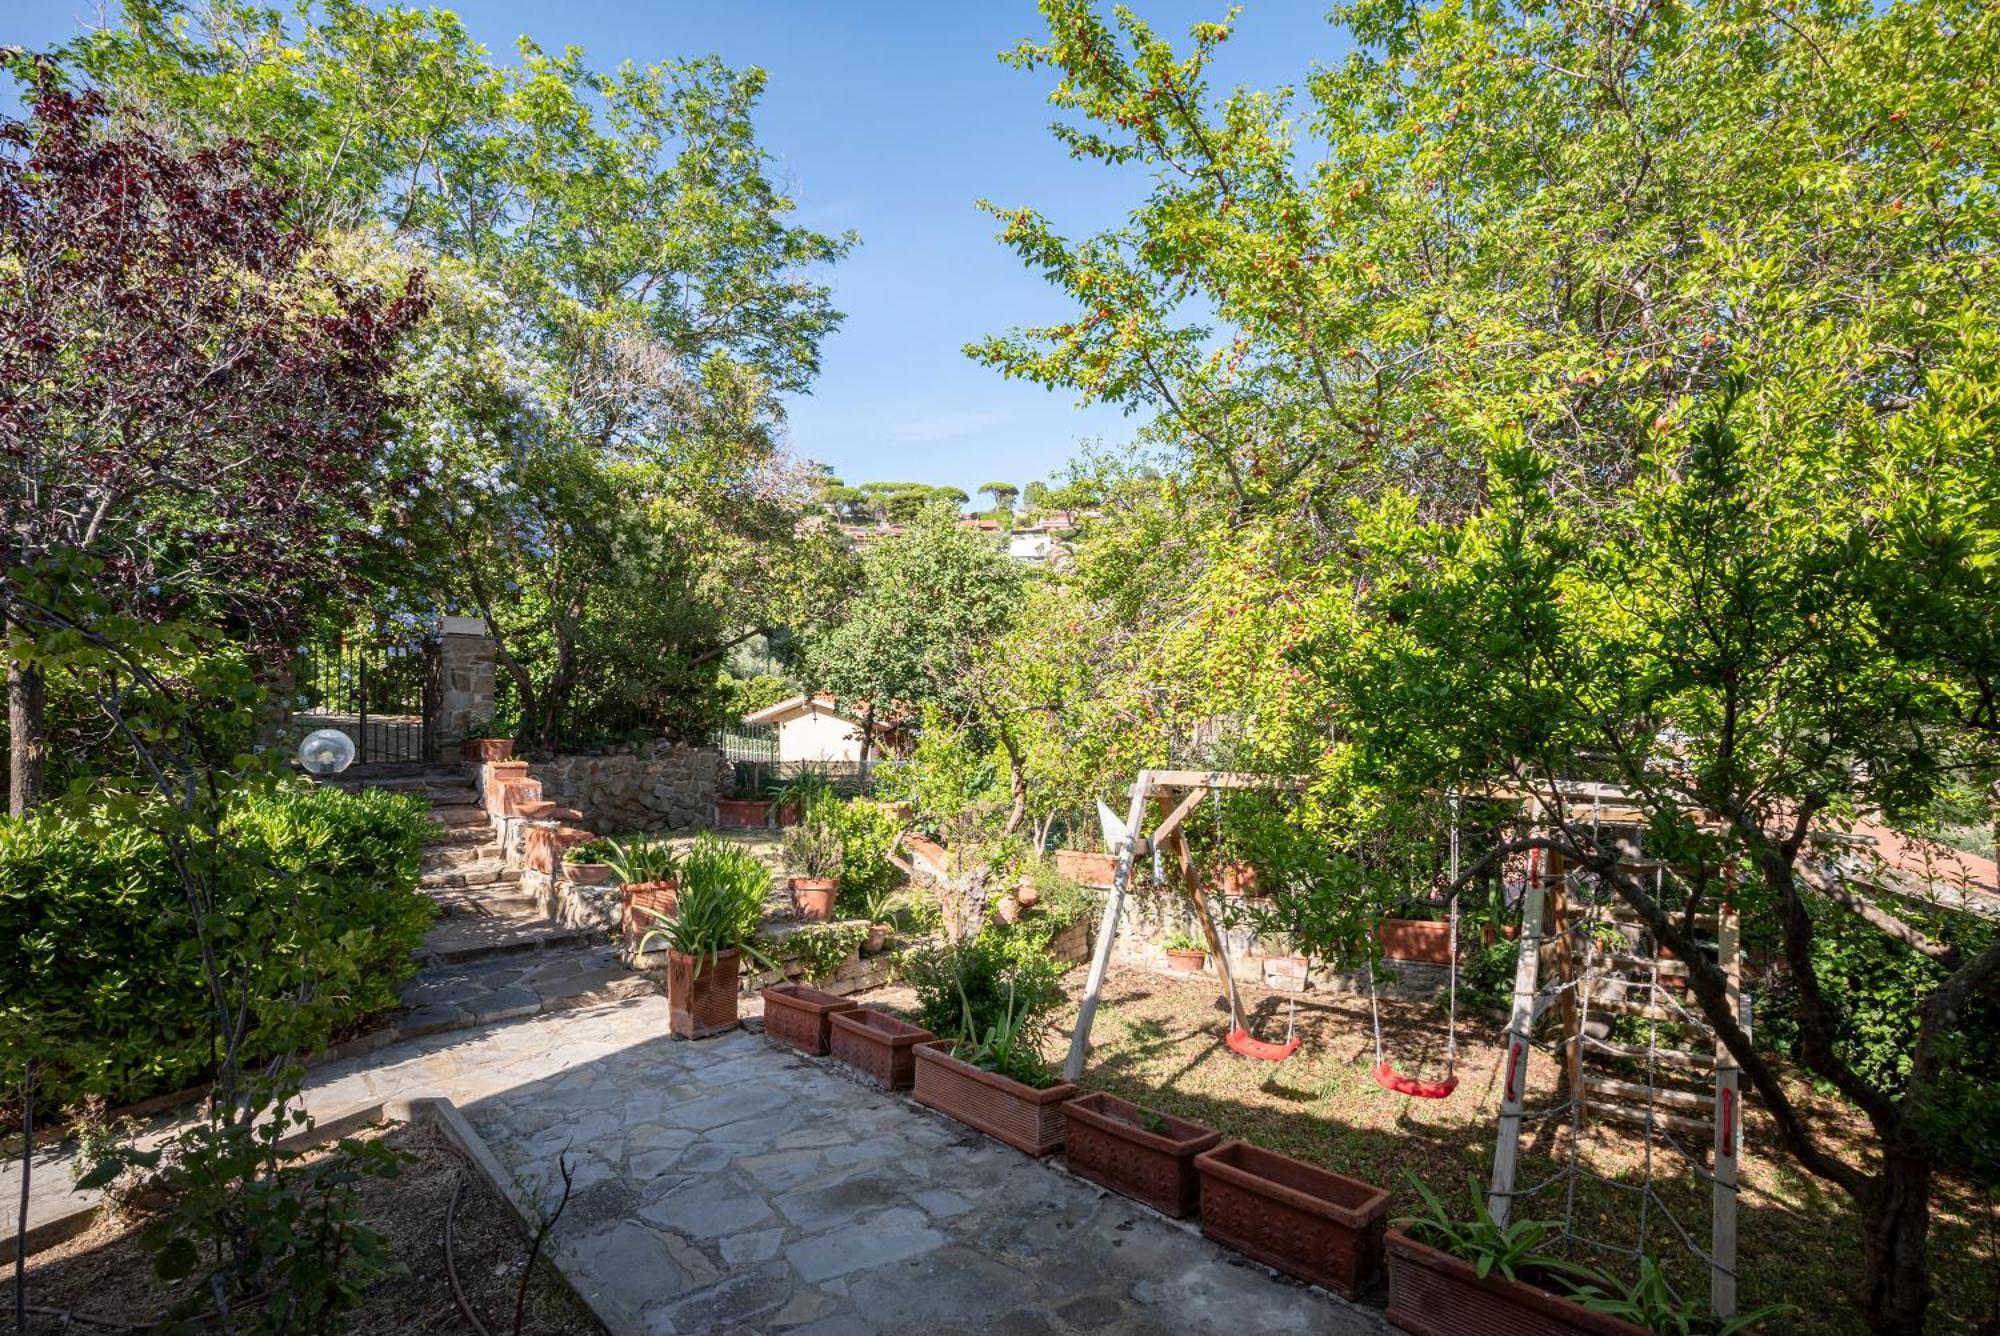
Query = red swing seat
x=1247 y=1044
x=1390 y=1079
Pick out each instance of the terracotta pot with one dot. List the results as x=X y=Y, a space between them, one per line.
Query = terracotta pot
x=878 y=938
x=1237 y=879
x=1025 y=1118
x=1007 y=909
x=802 y=1017
x=1416 y=940
x=812 y=898
x=1487 y=936
x=742 y=814
x=701 y=1003
x=1322 y=1227
x=1107 y=1144
x=1432 y=1293
x=637 y=897
x=1027 y=897
x=587 y=874
x=486 y=749
x=787 y=813
x=878 y=1046
x=1189 y=961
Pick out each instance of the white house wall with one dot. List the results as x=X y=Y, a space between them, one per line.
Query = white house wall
x=817 y=735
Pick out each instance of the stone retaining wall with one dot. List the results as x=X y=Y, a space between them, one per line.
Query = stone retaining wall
x=651 y=786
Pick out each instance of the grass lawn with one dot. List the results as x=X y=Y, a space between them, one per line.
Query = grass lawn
x=1158 y=1041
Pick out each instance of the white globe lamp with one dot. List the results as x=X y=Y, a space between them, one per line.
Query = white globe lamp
x=326 y=751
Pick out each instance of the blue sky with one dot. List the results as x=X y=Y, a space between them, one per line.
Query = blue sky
x=892 y=119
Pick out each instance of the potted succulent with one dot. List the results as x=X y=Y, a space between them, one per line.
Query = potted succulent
x=719 y=905
x=1185 y=953
x=589 y=863
x=1145 y=1155
x=648 y=874
x=996 y=1082
x=875 y=907
x=812 y=857
x=1322 y=1227
x=483 y=741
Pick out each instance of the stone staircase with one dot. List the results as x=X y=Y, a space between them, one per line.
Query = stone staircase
x=492 y=955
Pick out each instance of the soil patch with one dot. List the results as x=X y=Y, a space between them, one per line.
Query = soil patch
x=104 y=1273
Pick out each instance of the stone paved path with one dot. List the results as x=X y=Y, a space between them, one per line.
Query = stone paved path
x=732 y=1186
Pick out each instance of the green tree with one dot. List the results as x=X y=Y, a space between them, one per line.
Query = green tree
x=928 y=599
x=1003 y=494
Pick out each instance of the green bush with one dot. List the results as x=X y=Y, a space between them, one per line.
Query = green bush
x=318 y=912
x=978 y=975
x=868 y=833
x=1486 y=979
x=1876 y=989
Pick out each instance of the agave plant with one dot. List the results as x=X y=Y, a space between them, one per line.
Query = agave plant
x=643 y=860
x=809 y=791
x=1650 y=1302
x=721 y=902
x=1007 y=1046
x=1486 y=1243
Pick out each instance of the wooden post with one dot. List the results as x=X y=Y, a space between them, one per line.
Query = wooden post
x=1107 y=932
x=1728 y=1128
x=1566 y=972
x=1217 y=947
x=1514 y=1076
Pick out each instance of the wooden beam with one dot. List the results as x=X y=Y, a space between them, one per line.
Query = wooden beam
x=1170 y=828
x=1222 y=779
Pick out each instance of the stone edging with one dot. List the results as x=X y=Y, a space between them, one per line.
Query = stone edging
x=461 y=1134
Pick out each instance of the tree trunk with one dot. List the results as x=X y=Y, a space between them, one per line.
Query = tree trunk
x=1896 y=1219
x=27 y=725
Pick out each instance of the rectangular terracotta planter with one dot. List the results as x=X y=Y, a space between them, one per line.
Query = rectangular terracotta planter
x=638 y=902
x=1322 y=1227
x=802 y=1017
x=742 y=813
x=1419 y=941
x=705 y=1003
x=487 y=749
x=1025 y=1118
x=1432 y=1293
x=880 y=1047
x=1107 y=1144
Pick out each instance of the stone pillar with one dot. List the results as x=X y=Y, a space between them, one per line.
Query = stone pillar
x=465 y=682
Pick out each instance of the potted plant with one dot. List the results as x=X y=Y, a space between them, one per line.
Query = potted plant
x=1419 y=932
x=589 y=863
x=720 y=904
x=1185 y=953
x=1309 y=1222
x=802 y=796
x=1145 y=1155
x=995 y=1081
x=877 y=1045
x=648 y=873
x=812 y=856
x=875 y=908
x=742 y=808
x=484 y=741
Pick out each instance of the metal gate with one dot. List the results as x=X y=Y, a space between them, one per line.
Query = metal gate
x=379 y=688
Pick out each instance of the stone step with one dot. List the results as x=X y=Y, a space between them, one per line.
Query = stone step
x=459 y=938
x=458 y=795
x=454 y=815
x=484 y=872
x=441 y=857
x=487 y=902
x=442 y=835
x=453 y=996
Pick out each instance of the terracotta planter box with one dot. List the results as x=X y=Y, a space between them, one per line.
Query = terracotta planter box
x=1416 y=940
x=787 y=814
x=813 y=898
x=587 y=874
x=880 y=1047
x=742 y=814
x=1322 y=1227
x=1189 y=962
x=486 y=749
x=1107 y=1144
x=1025 y=1118
x=1432 y=1293
x=660 y=897
x=705 y=1003
x=802 y=1017
x=1086 y=869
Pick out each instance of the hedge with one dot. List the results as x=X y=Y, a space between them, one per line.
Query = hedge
x=100 y=971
